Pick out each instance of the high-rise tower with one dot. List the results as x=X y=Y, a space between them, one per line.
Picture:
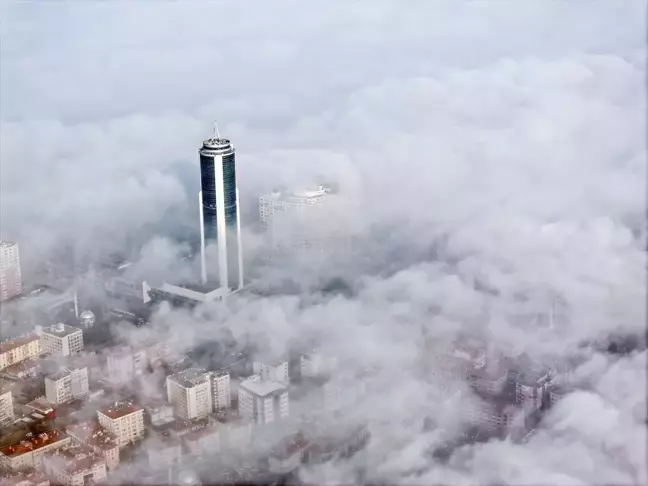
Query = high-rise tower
x=10 y=275
x=220 y=219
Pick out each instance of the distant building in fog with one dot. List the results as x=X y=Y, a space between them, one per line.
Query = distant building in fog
x=10 y=274
x=18 y=350
x=6 y=403
x=272 y=370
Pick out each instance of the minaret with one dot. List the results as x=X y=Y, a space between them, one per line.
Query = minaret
x=220 y=219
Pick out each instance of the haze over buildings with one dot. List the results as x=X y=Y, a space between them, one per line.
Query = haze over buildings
x=489 y=327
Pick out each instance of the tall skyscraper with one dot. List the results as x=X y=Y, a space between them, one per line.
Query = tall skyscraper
x=10 y=275
x=220 y=218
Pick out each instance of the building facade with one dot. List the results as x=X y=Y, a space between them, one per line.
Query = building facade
x=18 y=350
x=61 y=339
x=66 y=385
x=75 y=465
x=28 y=453
x=220 y=218
x=263 y=401
x=190 y=393
x=6 y=404
x=125 y=420
x=125 y=364
x=221 y=391
x=10 y=274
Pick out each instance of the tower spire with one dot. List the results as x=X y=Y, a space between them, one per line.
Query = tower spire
x=216 y=132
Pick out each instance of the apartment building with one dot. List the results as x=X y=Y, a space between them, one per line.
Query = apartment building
x=10 y=273
x=24 y=478
x=6 y=403
x=221 y=392
x=125 y=420
x=66 y=385
x=190 y=393
x=125 y=364
x=27 y=453
x=102 y=442
x=262 y=401
x=74 y=465
x=17 y=350
x=61 y=339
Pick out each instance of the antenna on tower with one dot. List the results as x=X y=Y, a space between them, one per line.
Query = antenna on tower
x=216 y=132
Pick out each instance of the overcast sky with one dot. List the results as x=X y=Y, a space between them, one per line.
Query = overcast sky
x=514 y=129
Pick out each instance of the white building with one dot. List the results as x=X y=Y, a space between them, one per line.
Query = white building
x=27 y=453
x=100 y=440
x=299 y=219
x=66 y=385
x=125 y=420
x=125 y=364
x=10 y=274
x=75 y=465
x=6 y=403
x=316 y=364
x=190 y=392
x=61 y=339
x=263 y=401
x=221 y=392
x=17 y=350
x=273 y=371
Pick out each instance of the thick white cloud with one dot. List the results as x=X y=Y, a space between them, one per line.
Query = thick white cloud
x=506 y=139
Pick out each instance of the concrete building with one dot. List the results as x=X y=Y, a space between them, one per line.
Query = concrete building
x=75 y=465
x=66 y=385
x=125 y=364
x=221 y=392
x=6 y=403
x=24 y=478
x=17 y=350
x=531 y=388
x=101 y=441
x=125 y=420
x=61 y=339
x=262 y=401
x=316 y=364
x=220 y=217
x=272 y=371
x=27 y=453
x=186 y=295
x=10 y=274
x=159 y=413
x=190 y=392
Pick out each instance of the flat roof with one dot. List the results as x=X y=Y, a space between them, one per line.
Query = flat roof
x=195 y=291
x=61 y=330
x=93 y=434
x=9 y=345
x=41 y=404
x=190 y=377
x=263 y=387
x=120 y=409
x=38 y=441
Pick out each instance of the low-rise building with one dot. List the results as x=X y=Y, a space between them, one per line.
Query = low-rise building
x=276 y=370
x=288 y=455
x=28 y=452
x=61 y=339
x=17 y=350
x=75 y=465
x=102 y=442
x=24 y=478
x=125 y=420
x=66 y=385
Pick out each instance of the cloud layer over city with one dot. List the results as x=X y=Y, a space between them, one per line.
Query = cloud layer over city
x=489 y=150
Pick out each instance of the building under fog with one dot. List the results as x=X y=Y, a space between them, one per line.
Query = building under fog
x=10 y=274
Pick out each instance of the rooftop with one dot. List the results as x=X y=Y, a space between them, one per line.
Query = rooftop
x=190 y=377
x=7 y=244
x=41 y=404
x=93 y=434
x=76 y=458
x=120 y=409
x=36 y=442
x=61 y=330
x=9 y=345
x=262 y=388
